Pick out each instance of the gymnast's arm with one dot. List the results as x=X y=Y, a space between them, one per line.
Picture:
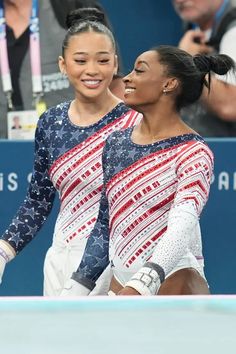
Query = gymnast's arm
x=95 y=258
x=34 y=210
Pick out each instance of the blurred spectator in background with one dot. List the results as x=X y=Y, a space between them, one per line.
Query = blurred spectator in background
x=211 y=28
x=31 y=35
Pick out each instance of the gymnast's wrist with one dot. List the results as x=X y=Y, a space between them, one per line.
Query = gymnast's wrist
x=6 y=251
x=87 y=283
x=72 y=289
x=6 y=255
x=77 y=285
x=148 y=279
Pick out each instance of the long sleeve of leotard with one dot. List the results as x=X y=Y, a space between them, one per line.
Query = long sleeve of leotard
x=38 y=201
x=194 y=178
x=96 y=254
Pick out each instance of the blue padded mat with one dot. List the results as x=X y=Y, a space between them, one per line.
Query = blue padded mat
x=118 y=325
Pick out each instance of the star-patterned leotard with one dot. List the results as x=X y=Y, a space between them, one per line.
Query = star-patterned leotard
x=67 y=160
x=151 y=202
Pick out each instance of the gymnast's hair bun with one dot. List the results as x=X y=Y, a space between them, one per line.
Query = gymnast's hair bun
x=218 y=63
x=84 y=14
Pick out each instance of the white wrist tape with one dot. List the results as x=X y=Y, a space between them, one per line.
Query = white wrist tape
x=147 y=280
x=2 y=267
x=6 y=251
x=6 y=255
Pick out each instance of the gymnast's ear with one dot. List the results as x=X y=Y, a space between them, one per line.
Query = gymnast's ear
x=61 y=64
x=170 y=85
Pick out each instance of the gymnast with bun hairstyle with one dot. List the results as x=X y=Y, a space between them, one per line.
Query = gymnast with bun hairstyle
x=157 y=178
x=68 y=148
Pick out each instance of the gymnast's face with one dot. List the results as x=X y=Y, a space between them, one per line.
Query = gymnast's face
x=144 y=85
x=90 y=63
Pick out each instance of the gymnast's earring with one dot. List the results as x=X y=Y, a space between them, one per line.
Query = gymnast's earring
x=164 y=91
x=64 y=74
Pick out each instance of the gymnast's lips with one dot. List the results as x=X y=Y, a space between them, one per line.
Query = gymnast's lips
x=91 y=83
x=129 y=89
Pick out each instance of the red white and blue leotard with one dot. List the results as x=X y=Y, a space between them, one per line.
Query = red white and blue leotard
x=151 y=202
x=67 y=160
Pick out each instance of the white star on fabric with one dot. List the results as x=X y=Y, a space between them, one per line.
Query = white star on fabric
x=16 y=238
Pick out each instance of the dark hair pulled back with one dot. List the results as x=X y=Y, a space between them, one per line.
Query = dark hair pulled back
x=219 y=64
x=84 y=14
x=192 y=72
x=86 y=20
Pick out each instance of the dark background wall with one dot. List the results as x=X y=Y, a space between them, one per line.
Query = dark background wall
x=139 y=25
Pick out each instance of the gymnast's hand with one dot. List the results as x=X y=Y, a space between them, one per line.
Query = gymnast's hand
x=127 y=290
x=2 y=266
x=6 y=255
x=72 y=288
